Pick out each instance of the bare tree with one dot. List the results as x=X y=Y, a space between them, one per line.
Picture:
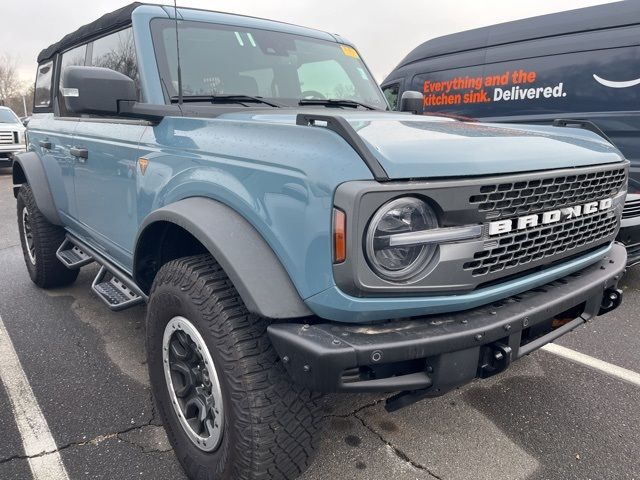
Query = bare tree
x=10 y=84
x=22 y=104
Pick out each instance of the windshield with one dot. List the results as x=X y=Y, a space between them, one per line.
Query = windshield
x=7 y=116
x=226 y=60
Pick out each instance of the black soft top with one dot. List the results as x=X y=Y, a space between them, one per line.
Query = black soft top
x=111 y=21
x=591 y=18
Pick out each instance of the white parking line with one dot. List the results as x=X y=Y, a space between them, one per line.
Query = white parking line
x=605 y=367
x=40 y=448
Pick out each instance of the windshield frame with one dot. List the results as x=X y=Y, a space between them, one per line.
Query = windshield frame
x=164 y=72
x=9 y=112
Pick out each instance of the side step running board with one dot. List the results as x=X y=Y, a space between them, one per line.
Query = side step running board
x=114 y=292
x=72 y=256
x=114 y=286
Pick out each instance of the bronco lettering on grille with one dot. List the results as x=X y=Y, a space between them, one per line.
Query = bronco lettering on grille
x=553 y=216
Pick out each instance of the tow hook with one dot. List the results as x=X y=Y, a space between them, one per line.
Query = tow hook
x=496 y=358
x=611 y=300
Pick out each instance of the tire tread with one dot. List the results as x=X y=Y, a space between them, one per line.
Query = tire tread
x=48 y=272
x=280 y=421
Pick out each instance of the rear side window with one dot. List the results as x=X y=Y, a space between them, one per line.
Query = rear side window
x=42 y=96
x=391 y=94
x=117 y=52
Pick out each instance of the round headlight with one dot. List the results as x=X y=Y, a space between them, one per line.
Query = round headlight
x=403 y=215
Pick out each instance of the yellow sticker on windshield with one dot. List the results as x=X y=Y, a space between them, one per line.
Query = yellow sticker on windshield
x=349 y=51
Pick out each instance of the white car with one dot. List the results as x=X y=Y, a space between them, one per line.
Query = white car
x=12 y=136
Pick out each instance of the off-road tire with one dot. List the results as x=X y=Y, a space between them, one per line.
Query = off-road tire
x=47 y=271
x=271 y=425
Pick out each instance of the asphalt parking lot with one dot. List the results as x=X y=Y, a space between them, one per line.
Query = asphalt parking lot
x=547 y=417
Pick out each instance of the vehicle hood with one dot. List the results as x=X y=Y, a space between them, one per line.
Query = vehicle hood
x=12 y=127
x=410 y=146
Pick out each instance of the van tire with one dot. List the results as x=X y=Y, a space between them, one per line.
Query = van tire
x=271 y=426
x=45 y=238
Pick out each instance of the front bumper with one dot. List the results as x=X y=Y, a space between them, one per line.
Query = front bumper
x=12 y=149
x=431 y=355
x=7 y=153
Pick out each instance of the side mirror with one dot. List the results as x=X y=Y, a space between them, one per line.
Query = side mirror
x=96 y=90
x=412 y=102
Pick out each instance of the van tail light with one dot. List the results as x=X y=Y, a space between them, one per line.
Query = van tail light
x=339 y=236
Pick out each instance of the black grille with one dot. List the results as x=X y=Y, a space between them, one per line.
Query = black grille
x=528 y=246
x=537 y=195
x=631 y=209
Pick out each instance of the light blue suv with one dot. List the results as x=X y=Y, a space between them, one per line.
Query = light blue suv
x=293 y=237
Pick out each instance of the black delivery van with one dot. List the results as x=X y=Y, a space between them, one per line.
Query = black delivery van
x=581 y=64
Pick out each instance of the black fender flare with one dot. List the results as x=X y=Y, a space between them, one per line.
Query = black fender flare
x=28 y=168
x=251 y=264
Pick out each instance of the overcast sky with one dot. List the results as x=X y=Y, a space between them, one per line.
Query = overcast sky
x=383 y=30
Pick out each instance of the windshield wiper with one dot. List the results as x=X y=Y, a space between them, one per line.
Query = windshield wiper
x=226 y=98
x=335 y=102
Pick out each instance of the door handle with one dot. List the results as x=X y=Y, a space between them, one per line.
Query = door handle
x=45 y=144
x=81 y=153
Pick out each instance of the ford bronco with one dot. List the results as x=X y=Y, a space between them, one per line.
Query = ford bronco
x=292 y=237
